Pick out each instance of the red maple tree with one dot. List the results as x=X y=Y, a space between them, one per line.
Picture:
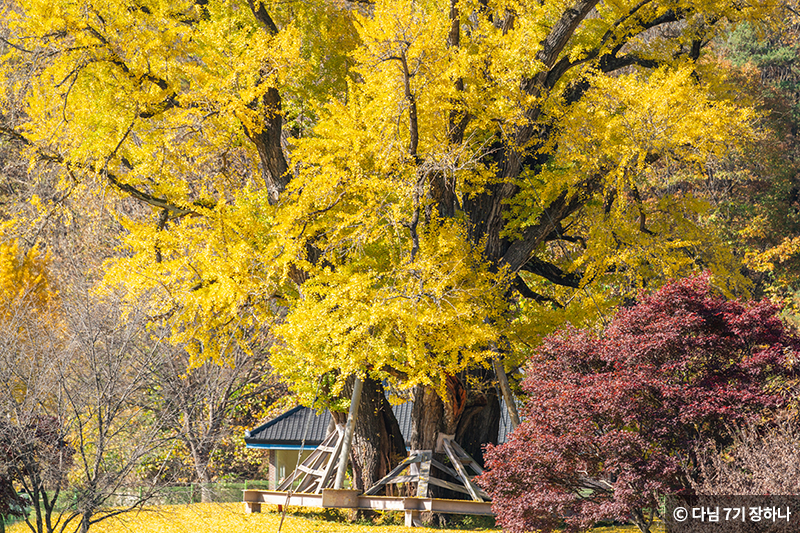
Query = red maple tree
x=610 y=421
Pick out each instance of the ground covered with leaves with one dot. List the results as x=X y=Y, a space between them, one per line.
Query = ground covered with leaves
x=231 y=518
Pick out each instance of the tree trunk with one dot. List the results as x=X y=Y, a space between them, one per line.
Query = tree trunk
x=480 y=422
x=267 y=140
x=377 y=442
x=205 y=484
x=86 y=521
x=201 y=456
x=472 y=417
x=374 y=452
x=37 y=504
x=641 y=522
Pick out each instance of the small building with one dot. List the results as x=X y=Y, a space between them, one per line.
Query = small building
x=283 y=436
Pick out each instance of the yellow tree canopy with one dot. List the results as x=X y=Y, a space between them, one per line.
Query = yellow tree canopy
x=393 y=186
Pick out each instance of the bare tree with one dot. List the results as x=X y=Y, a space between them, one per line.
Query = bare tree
x=105 y=385
x=198 y=400
x=760 y=461
x=35 y=455
x=74 y=383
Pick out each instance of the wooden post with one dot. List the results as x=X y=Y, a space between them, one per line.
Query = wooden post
x=348 y=433
x=505 y=388
x=412 y=518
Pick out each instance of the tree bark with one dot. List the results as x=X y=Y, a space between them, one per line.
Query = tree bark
x=480 y=422
x=268 y=143
x=377 y=442
x=432 y=415
x=427 y=418
x=205 y=485
x=86 y=522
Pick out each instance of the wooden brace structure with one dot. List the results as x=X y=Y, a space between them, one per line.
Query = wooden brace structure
x=316 y=474
x=317 y=471
x=420 y=463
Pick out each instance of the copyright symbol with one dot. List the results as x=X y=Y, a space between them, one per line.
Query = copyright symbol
x=680 y=514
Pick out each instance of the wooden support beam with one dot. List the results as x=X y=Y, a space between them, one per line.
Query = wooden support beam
x=462 y=453
x=412 y=518
x=396 y=470
x=333 y=460
x=378 y=503
x=424 y=473
x=444 y=468
x=403 y=479
x=250 y=507
x=419 y=464
x=447 y=485
x=312 y=471
x=355 y=401
x=462 y=474
x=505 y=389
x=316 y=470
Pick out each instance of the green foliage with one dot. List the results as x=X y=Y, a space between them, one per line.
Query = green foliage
x=774 y=54
x=755 y=194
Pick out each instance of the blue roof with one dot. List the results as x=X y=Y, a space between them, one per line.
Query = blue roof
x=290 y=428
x=287 y=430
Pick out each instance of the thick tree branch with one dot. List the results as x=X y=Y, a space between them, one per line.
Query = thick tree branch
x=609 y=199
x=521 y=287
x=261 y=14
x=413 y=121
x=116 y=60
x=169 y=102
x=458 y=119
x=609 y=61
x=521 y=251
x=551 y=272
x=563 y=30
x=640 y=207
x=153 y=200
x=268 y=144
x=557 y=39
x=559 y=235
x=442 y=191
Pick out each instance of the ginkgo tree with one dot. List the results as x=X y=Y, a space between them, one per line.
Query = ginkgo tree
x=407 y=190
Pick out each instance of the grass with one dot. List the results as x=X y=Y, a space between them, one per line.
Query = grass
x=231 y=518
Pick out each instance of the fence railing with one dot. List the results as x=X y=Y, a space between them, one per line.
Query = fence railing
x=178 y=494
x=220 y=492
